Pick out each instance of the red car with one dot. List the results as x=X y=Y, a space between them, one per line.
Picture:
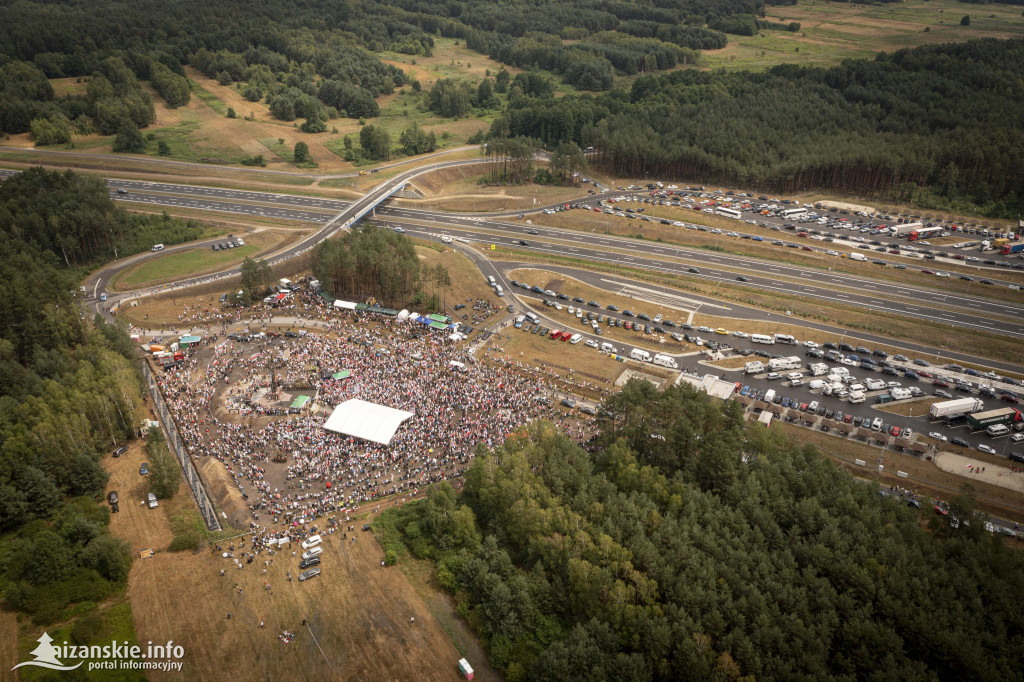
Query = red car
x=566 y=336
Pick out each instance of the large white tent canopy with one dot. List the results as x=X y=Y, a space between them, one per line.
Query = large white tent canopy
x=368 y=421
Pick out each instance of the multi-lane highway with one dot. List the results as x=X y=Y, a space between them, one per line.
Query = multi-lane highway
x=952 y=309
x=957 y=310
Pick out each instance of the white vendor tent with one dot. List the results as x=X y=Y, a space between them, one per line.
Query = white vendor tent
x=365 y=420
x=348 y=305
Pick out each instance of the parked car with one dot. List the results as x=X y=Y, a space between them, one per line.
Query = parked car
x=120 y=451
x=311 y=573
x=153 y=504
x=144 y=469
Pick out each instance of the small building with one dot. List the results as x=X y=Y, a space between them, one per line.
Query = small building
x=343 y=374
x=465 y=668
x=189 y=341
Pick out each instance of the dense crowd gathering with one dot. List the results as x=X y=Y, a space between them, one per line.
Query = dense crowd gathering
x=458 y=404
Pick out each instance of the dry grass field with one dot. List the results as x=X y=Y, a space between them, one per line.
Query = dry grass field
x=459 y=189
x=833 y=31
x=358 y=613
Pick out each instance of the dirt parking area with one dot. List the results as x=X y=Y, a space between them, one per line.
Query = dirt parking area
x=143 y=527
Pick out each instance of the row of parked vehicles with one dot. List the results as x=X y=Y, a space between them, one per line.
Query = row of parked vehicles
x=231 y=243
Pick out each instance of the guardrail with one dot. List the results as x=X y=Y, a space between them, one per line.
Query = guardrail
x=174 y=442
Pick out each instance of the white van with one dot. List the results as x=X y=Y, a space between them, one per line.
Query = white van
x=762 y=338
x=532 y=317
x=312 y=552
x=311 y=541
x=665 y=361
x=575 y=338
x=499 y=290
x=640 y=354
x=157 y=247
x=754 y=367
x=998 y=430
x=608 y=348
x=490 y=280
x=519 y=321
x=857 y=256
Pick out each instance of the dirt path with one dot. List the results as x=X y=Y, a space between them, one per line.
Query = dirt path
x=9 y=647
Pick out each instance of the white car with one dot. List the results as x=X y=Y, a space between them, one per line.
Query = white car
x=572 y=310
x=741 y=335
x=658 y=317
x=153 y=504
x=1017 y=437
x=591 y=343
x=810 y=344
x=446 y=239
x=849 y=362
x=987 y=448
x=938 y=436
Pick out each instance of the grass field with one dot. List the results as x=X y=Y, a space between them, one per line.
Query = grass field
x=358 y=613
x=906 y=408
x=461 y=189
x=833 y=31
x=182 y=264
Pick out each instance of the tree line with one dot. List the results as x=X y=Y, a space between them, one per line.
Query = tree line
x=70 y=217
x=939 y=125
x=684 y=543
x=69 y=393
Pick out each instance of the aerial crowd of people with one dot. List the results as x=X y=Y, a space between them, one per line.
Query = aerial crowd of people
x=227 y=398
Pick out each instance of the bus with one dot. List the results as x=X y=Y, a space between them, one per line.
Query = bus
x=924 y=233
x=728 y=212
x=762 y=338
x=791 y=213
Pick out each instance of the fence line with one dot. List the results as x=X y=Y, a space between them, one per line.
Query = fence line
x=191 y=475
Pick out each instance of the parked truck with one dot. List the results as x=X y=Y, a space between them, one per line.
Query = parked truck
x=817 y=369
x=1015 y=247
x=769 y=396
x=903 y=228
x=856 y=396
x=792 y=362
x=952 y=408
x=983 y=420
x=753 y=368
